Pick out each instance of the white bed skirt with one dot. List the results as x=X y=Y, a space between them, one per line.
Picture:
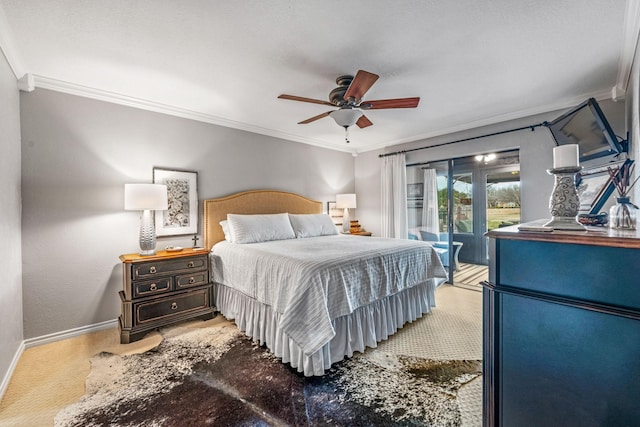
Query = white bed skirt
x=365 y=327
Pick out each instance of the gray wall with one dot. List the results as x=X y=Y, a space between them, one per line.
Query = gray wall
x=536 y=156
x=10 y=250
x=77 y=155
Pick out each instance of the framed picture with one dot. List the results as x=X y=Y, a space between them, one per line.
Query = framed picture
x=595 y=187
x=415 y=191
x=182 y=193
x=335 y=213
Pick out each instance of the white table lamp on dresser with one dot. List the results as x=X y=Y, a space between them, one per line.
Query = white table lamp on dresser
x=346 y=202
x=146 y=198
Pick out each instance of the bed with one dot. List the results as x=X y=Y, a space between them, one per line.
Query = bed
x=315 y=296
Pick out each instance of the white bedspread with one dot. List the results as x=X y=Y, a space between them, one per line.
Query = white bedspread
x=314 y=280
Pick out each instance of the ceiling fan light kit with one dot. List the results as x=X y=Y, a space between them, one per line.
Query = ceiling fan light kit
x=346 y=117
x=348 y=97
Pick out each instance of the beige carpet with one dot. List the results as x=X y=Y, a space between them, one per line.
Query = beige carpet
x=52 y=376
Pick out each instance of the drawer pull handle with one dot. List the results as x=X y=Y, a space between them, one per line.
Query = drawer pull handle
x=174 y=306
x=153 y=287
x=191 y=264
x=152 y=270
x=192 y=280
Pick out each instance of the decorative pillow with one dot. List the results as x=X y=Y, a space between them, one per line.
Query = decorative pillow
x=310 y=225
x=225 y=229
x=259 y=228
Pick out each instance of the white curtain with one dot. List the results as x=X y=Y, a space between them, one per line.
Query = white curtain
x=394 y=197
x=430 y=221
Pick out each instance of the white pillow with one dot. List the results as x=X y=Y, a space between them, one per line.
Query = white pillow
x=310 y=225
x=259 y=228
x=225 y=229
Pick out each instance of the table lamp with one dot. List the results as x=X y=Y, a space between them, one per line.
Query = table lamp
x=346 y=202
x=146 y=198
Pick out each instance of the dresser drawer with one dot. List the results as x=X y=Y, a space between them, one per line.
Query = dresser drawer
x=155 y=268
x=190 y=280
x=571 y=271
x=151 y=287
x=171 y=306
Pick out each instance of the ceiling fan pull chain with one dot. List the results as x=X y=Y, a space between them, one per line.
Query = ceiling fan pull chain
x=346 y=132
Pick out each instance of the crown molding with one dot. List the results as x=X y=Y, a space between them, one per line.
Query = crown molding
x=49 y=83
x=101 y=95
x=631 y=34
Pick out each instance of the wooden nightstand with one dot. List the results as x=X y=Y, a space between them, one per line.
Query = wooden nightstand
x=162 y=289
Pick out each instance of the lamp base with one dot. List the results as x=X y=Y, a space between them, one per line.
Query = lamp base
x=147 y=234
x=345 y=220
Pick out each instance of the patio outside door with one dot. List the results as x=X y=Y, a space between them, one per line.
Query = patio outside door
x=472 y=197
x=486 y=195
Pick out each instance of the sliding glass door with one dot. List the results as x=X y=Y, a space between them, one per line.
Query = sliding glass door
x=474 y=194
x=486 y=196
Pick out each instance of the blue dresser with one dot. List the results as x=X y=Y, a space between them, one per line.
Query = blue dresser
x=561 y=313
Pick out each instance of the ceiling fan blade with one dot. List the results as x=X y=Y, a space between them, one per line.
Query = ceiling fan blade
x=360 y=84
x=363 y=122
x=303 y=99
x=390 y=103
x=314 y=118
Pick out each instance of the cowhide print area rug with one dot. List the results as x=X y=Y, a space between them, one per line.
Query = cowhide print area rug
x=215 y=376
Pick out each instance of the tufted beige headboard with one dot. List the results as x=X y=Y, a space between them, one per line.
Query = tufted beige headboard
x=251 y=202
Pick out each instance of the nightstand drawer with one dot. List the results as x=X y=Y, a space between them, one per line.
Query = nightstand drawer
x=155 y=268
x=151 y=287
x=171 y=306
x=190 y=280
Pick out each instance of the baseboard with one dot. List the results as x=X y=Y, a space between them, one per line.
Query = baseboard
x=12 y=367
x=70 y=333
x=46 y=339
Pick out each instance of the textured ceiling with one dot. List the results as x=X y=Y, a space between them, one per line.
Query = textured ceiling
x=471 y=62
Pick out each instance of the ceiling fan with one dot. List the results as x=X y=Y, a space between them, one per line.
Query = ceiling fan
x=348 y=97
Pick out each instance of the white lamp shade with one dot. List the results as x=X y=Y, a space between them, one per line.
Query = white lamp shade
x=345 y=201
x=346 y=117
x=140 y=197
